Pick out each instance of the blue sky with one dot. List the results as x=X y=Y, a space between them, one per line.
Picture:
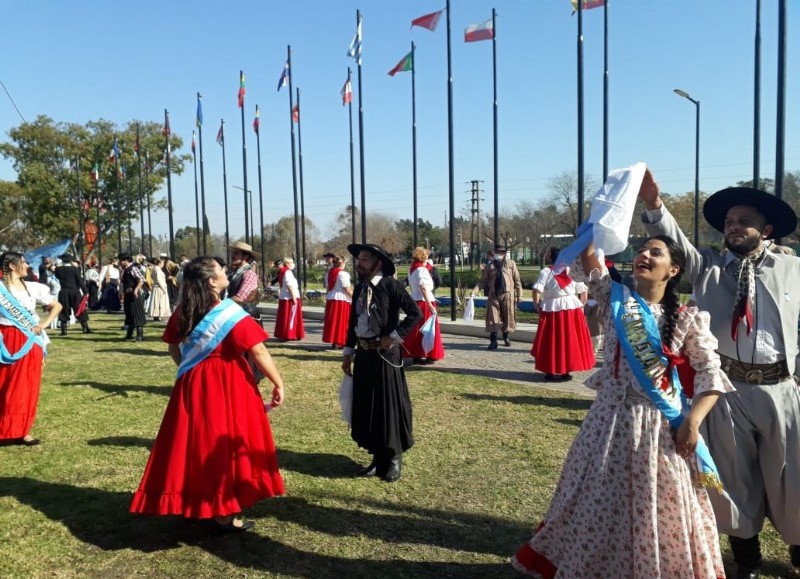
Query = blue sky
x=83 y=60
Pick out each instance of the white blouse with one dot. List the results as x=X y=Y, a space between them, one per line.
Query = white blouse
x=37 y=293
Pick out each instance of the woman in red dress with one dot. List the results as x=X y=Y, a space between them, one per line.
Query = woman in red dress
x=337 y=305
x=20 y=328
x=289 y=320
x=422 y=287
x=214 y=453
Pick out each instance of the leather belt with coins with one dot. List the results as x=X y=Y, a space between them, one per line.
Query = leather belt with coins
x=754 y=373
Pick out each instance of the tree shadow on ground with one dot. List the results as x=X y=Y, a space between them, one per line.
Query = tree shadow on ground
x=494 y=373
x=538 y=400
x=137 y=351
x=122 y=441
x=122 y=389
x=318 y=464
x=100 y=518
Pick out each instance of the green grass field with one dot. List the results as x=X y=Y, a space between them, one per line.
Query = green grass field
x=480 y=477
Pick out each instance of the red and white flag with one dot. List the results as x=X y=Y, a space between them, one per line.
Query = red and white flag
x=476 y=32
x=347 y=92
x=429 y=21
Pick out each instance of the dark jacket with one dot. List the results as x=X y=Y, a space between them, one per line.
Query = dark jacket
x=388 y=298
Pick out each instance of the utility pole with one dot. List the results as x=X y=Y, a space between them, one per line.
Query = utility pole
x=475 y=229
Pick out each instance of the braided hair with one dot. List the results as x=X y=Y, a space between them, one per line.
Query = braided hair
x=7 y=259
x=670 y=303
x=197 y=297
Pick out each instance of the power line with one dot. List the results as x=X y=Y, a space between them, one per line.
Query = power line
x=12 y=102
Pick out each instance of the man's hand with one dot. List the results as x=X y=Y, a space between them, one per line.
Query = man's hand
x=386 y=342
x=347 y=363
x=649 y=191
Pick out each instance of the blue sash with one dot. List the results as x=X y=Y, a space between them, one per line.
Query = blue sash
x=23 y=320
x=208 y=334
x=639 y=339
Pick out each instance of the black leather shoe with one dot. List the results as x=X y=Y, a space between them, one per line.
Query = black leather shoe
x=395 y=469
x=794 y=555
x=370 y=470
x=234 y=526
x=506 y=341
x=747 y=573
x=492 y=345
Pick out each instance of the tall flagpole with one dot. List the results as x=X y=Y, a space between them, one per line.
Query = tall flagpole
x=139 y=174
x=260 y=193
x=580 y=112
x=361 y=135
x=302 y=197
x=81 y=225
x=451 y=169
x=147 y=192
x=496 y=232
x=414 y=138
x=605 y=90
x=119 y=199
x=167 y=132
x=221 y=141
x=196 y=194
x=294 y=157
x=780 y=128
x=352 y=169
x=247 y=237
x=128 y=208
x=99 y=225
x=199 y=123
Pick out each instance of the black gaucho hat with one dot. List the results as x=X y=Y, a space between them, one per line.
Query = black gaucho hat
x=124 y=256
x=66 y=257
x=388 y=264
x=777 y=212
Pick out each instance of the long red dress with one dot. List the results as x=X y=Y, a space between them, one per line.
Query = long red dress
x=214 y=454
x=21 y=381
x=289 y=323
x=419 y=275
x=337 y=308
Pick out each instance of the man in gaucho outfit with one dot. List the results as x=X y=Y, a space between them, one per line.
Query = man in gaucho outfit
x=381 y=413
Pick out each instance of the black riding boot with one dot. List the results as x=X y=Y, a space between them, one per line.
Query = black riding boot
x=493 y=341
x=85 y=328
x=129 y=333
x=63 y=326
x=506 y=341
x=139 y=334
x=747 y=554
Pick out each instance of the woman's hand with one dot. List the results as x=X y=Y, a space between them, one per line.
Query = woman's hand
x=686 y=439
x=38 y=329
x=649 y=191
x=278 y=395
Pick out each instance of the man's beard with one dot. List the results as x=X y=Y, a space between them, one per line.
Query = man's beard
x=746 y=246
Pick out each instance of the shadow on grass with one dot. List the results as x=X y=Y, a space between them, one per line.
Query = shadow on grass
x=137 y=351
x=494 y=373
x=101 y=518
x=549 y=401
x=122 y=389
x=122 y=441
x=318 y=464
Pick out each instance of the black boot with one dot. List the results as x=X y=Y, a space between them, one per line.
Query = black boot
x=63 y=326
x=794 y=555
x=747 y=554
x=85 y=328
x=506 y=341
x=139 y=334
x=371 y=469
x=395 y=468
x=129 y=333
x=492 y=341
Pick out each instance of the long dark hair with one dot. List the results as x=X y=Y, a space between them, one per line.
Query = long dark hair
x=671 y=302
x=8 y=259
x=197 y=298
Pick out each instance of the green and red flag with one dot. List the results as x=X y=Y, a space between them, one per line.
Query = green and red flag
x=405 y=64
x=257 y=120
x=241 y=89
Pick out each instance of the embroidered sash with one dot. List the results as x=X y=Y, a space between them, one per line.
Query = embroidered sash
x=639 y=339
x=208 y=334
x=23 y=320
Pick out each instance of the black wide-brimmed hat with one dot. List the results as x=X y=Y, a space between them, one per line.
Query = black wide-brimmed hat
x=777 y=212
x=328 y=254
x=386 y=259
x=500 y=249
x=124 y=256
x=66 y=257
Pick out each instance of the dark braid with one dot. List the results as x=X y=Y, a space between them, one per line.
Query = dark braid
x=197 y=298
x=6 y=260
x=670 y=304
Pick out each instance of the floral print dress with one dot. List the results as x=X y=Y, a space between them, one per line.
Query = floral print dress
x=627 y=505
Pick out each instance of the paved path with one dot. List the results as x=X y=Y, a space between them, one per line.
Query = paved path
x=465 y=352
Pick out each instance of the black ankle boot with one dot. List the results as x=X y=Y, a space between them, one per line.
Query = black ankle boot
x=506 y=341
x=394 y=469
x=63 y=326
x=86 y=329
x=371 y=469
x=129 y=333
x=139 y=334
x=747 y=554
x=492 y=341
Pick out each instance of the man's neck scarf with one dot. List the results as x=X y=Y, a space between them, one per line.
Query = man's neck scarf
x=745 y=292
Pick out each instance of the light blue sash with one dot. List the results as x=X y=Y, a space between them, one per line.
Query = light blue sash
x=640 y=340
x=23 y=320
x=208 y=334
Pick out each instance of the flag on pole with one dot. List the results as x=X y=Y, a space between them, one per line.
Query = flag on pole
x=95 y=172
x=284 y=79
x=167 y=133
x=221 y=135
x=354 y=51
x=296 y=113
x=113 y=155
x=257 y=121
x=199 y=118
x=347 y=92
x=194 y=144
x=241 y=89
x=406 y=63
x=136 y=142
x=429 y=21
x=476 y=32
x=587 y=4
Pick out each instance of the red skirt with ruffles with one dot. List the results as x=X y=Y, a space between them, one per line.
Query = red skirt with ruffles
x=337 y=317
x=19 y=386
x=562 y=343
x=412 y=344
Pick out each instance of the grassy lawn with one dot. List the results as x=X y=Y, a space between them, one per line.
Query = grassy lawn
x=480 y=477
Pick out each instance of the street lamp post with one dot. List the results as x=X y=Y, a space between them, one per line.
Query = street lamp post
x=684 y=94
x=248 y=194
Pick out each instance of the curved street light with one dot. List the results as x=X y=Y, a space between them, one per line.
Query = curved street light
x=684 y=94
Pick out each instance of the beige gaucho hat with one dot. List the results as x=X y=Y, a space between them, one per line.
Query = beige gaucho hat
x=245 y=247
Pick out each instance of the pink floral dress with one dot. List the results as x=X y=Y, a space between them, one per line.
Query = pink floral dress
x=627 y=505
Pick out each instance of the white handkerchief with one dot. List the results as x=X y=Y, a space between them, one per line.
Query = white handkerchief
x=612 y=208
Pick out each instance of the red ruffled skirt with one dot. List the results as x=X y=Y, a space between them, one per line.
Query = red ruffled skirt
x=337 y=317
x=412 y=344
x=562 y=343
x=284 y=328
x=214 y=454
x=19 y=386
